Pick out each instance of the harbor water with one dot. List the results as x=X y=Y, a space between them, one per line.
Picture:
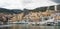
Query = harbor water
x=26 y=26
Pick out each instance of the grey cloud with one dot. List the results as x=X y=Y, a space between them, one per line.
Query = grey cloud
x=56 y=1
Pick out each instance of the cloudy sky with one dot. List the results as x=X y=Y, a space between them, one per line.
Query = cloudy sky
x=29 y=4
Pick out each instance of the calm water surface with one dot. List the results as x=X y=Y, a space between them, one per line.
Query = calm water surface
x=24 y=26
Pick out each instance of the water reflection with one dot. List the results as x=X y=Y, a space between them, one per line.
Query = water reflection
x=4 y=27
x=24 y=26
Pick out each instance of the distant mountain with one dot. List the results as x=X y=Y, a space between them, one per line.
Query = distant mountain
x=16 y=11
x=3 y=10
x=42 y=9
